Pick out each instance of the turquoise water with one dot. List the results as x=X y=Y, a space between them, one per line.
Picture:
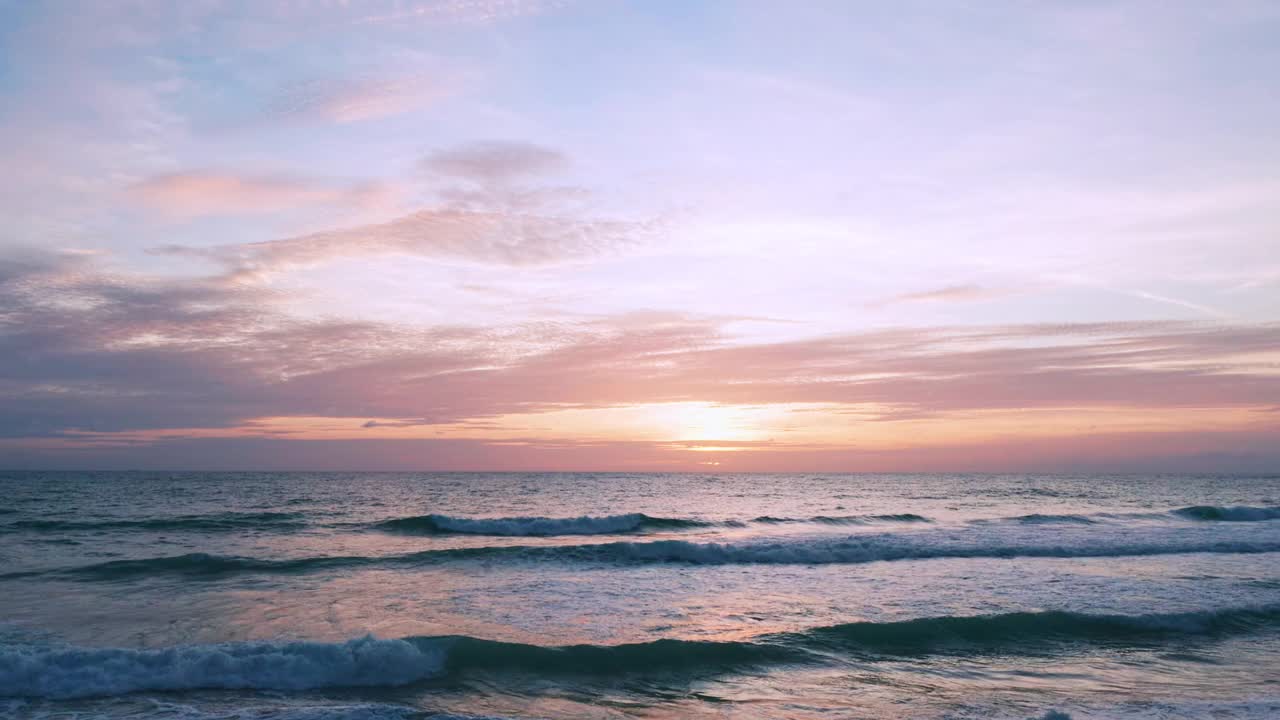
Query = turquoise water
x=303 y=595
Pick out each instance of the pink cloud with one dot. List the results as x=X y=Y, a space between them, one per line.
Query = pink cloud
x=495 y=161
x=950 y=293
x=483 y=215
x=488 y=237
x=360 y=98
x=211 y=192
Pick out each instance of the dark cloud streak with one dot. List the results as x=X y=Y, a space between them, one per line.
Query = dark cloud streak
x=81 y=350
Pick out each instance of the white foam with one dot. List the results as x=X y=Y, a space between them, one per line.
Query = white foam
x=516 y=526
x=27 y=671
x=270 y=709
x=364 y=711
x=1252 y=709
x=934 y=545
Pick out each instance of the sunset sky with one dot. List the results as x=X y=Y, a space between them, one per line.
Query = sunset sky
x=640 y=235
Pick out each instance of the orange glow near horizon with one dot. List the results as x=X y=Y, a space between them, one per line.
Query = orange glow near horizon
x=704 y=428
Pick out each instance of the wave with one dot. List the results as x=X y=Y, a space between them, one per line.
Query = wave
x=227 y=521
x=435 y=524
x=206 y=565
x=844 y=519
x=90 y=672
x=1242 y=513
x=67 y=672
x=1042 y=519
x=289 y=710
x=601 y=525
x=639 y=522
x=536 y=526
x=1025 y=630
x=467 y=654
x=854 y=549
x=1238 y=513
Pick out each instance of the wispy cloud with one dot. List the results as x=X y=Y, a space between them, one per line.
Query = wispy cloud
x=206 y=192
x=1187 y=304
x=359 y=98
x=460 y=11
x=488 y=213
x=502 y=238
x=949 y=293
x=495 y=161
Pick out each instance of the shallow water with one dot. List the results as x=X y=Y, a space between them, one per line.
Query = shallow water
x=302 y=595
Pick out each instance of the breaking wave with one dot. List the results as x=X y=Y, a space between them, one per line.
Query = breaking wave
x=845 y=549
x=1238 y=513
x=639 y=522
x=602 y=525
x=1242 y=513
x=536 y=526
x=436 y=524
x=845 y=519
x=89 y=672
x=1022 y=630
x=1042 y=519
x=66 y=672
x=292 y=711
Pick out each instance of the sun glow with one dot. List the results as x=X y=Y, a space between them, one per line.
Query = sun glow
x=701 y=427
x=708 y=421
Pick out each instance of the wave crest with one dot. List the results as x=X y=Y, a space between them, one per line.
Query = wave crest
x=1237 y=513
x=1022 y=630
x=844 y=519
x=1043 y=519
x=87 y=672
x=534 y=526
x=875 y=548
x=90 y=672
x=854 y=549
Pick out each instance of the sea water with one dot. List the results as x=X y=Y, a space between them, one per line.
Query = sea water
x=314 y=595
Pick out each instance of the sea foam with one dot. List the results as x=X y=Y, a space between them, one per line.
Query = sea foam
x=87 y=672
x=988 y=541
x=534 y=526
x=68 y=672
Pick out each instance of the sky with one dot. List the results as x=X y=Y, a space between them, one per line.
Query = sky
x=625 y=235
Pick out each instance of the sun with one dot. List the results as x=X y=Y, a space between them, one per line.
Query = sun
x=707 y=421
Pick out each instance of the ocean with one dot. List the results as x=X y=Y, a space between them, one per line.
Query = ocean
x=425 y=595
